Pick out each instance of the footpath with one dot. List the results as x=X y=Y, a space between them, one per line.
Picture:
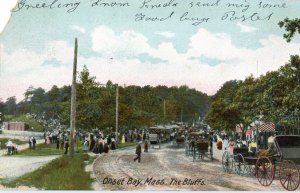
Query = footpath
x=22 y=147
x=14 y=166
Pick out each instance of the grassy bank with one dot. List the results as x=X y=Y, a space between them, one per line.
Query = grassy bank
x=127 y=144
x=44 y=150
x=41 y=149
x=64 y=173
x=16 y=141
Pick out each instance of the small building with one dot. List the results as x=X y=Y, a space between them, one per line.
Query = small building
x=16 y=126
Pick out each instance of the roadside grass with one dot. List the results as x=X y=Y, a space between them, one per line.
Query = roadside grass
x=16 y=141
x=44 y=150
x=64 y=173
x=41 y=149
x=127 y=144
x=50 y=149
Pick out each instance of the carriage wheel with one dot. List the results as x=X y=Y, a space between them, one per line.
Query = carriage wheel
x=264 y=171
x=239 y=164
x=289 y=175
x=250 y=170
x=227 y=162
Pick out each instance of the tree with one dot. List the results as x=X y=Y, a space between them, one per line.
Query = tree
x=35 y=99
x=222 y=113
x=52 y=104
x=291 y=27
x=244 y=102
x=10 y=106
x=88 y=106
x=2 y=105
x=1 y=111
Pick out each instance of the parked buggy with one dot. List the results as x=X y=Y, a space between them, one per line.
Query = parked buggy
x=154 y=140
x=281 y=162
x=191 y=142
x=180 y=137
x=198 y=146
x=233 y=159
x=202 y=149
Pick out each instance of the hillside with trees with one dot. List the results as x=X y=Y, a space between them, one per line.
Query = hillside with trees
x=96 y=103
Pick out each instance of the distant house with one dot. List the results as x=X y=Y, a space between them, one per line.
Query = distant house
x=16 y=126
x=267 y=127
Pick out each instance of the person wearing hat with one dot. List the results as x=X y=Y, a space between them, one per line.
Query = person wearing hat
x=9 y=144
x=33 y=142
x=66 y=146
x=30 y=142
x=138 y=152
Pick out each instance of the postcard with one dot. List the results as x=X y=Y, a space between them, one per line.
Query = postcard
x=150 y=95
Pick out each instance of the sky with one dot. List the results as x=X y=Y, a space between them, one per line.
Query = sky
x=200 y=44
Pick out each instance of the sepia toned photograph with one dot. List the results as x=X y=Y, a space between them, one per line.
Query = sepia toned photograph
x=150 y=95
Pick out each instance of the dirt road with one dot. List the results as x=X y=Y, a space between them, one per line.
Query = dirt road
x=12 y=166
x=169 y=168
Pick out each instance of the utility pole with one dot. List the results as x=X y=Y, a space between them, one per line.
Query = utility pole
x=73 y=100
x=181 y=113
x=164 y=111
x=117 y=112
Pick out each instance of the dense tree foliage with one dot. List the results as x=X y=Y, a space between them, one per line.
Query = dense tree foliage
x=222 y=114
x=275 y=95
x=292 y=26
x=96 y=103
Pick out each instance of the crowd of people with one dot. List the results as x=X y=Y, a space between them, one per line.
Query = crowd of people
x=95 y=141
x=60 y=137
x=261 y=142
x=99 y=144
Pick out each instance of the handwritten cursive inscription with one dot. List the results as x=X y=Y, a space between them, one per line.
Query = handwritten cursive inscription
x=101 y=3
x=195 y=20
x=232 y=16
x=204 y=4
x=149 y=5
x=185 y=11
x=54 y=4
x=143 y=17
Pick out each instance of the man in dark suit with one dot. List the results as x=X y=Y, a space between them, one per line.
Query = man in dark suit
x=66 y=146
x=138 y=152
x=33 y=142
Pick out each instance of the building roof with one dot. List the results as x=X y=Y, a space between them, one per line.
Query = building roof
x=267 y=127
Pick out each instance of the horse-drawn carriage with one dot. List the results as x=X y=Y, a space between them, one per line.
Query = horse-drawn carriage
x=159 y=134
x=180 y=137
x=280 y=162
x=199 y=146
